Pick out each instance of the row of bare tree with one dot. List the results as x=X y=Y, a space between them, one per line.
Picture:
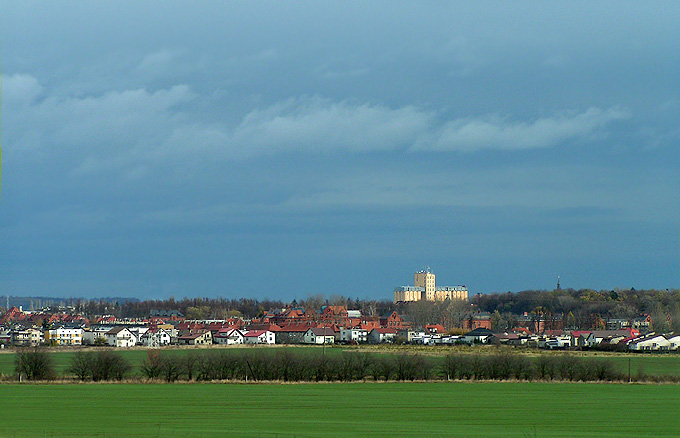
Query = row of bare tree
x=298 y=365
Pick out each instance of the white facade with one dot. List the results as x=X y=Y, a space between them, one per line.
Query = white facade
x=138 y=332
x=64 y=336
x=91 y=336
x=353 y=334
x=377 y=336
x=31 y=336
x=674 y=342
x=230 y=337
x=155 y=338
x=319 y=336
x=260 y=337
x=120 y=337
x=651 y=342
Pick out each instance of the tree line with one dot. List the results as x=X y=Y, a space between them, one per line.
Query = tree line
x=201 y=308
x=585 y=308
x=306 y=365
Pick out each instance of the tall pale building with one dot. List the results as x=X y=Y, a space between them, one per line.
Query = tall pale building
x=425 y=288
x=425 y=279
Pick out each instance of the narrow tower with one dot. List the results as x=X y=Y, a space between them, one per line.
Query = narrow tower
x=425 y=279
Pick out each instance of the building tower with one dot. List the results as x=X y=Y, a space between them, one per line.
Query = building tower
x=425 y=279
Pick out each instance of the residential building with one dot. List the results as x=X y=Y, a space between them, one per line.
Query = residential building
x=121 y=337
x=198 y=337
x=356 y=335
x=229 y=336
x=64 y=336
x=157 y=337
x=673 y=341
x=478 y=335
x=291 y=334
x=95 y=334
x=319 y=335
x=411 y=335
x=650 y=342
x=381 y=335
x=259 y=337
x=28 y=337
x=393 y=320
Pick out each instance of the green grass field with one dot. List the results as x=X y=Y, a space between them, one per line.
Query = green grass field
x=340 y=410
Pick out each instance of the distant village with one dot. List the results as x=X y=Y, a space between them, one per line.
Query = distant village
x=415 y=317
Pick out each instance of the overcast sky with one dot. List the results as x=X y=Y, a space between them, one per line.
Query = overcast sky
x=282 y=149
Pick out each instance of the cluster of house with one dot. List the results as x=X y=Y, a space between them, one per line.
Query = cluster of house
x=332 y=324
x=290 y=325
x=622 y=339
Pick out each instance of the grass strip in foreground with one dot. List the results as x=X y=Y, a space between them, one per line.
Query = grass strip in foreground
x=338 y=410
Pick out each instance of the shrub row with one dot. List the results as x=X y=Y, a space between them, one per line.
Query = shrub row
x=99 y=365
x=285 y=365
x=512 y=366
x=297 y=366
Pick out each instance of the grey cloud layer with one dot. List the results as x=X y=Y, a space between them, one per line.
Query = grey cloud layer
x=150 y=143
x=157 y=124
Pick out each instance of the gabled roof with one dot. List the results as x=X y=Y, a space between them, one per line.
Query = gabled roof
x=194 y=335
x=608 y=333
x=578 y=333
x=322 y=331
x=507 y=336
x=226 y=333
x=479 y=332
x=435 y=328
x=255 y=333
x=334 y=310
x=295 y=328
x=385 y=330
x=268 y=327
x=116 y=330
x=647 y=337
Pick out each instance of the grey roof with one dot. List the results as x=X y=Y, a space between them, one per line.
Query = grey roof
x=322 y=331
x=479 y=332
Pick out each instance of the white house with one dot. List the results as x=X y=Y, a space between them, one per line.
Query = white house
x=138 y=332
x=198 y=337
x=155 y=338
x=481 y=335
x=380 y=335
x=64 y=336
x=229 y=337
x=353 y=335
x=91 y=335
x=319 y=335
x=449 y=340
x=259 y=337
x=674 y=341
x=120 y=337
x=650 y=342
x=30 y=336
x=415 y=336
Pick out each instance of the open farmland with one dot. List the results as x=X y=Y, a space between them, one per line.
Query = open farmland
x=339 y=410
